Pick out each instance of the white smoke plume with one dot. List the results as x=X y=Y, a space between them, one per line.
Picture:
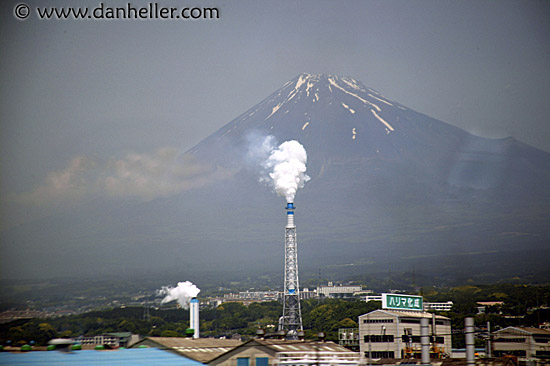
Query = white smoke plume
x=285 y=167
x=183 y=293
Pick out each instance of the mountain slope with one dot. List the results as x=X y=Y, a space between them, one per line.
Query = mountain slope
x=341 y=122
x=391 y=190
x=387 y=180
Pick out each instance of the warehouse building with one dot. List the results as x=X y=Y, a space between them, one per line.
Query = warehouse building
x=525 y=343
x=396 y=334
x=269 y=352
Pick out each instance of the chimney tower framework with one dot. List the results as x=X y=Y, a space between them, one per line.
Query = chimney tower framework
x=291 y=321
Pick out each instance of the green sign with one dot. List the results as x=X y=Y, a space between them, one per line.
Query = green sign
x=402 y=302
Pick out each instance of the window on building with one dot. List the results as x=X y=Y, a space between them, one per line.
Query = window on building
x=519 y=353
x=410 y=321
x=417 y=339
x=384 y=354
x=378 y=338
x=365 y=321
x=262 y=361
x=243 y=361
x=510 y=340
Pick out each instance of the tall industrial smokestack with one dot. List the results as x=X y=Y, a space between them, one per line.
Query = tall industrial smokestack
x=285 y=171
x=194 y=316
x=291 y=321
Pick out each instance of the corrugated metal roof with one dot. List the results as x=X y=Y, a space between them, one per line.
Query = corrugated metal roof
x=525 y=330
x=134 y=357
x=201 y=349
x=281 y=345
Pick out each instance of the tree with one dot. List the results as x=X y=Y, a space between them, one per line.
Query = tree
x=346 y=323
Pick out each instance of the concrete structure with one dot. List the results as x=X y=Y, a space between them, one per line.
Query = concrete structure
x=525 y=343
x=202 y=350
x=338 y=291
x=438 y=306
x=396 y=334
x=270 y=352
x=291 y=320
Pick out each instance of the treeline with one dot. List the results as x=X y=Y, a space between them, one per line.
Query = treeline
x=227 y=319
x=527 y=303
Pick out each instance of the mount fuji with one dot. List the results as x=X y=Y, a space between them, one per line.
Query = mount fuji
x=391 y=189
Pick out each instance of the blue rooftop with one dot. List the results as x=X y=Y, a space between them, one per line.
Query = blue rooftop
x=134 y=357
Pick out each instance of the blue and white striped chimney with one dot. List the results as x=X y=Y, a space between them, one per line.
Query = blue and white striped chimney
x=290 y=215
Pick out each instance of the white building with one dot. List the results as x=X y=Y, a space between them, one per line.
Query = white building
x=120 y=339
x=338 y=291
x=396 y=334
x=438 y=306
x=373 y=298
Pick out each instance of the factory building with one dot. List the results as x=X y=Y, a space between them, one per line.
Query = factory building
x=525 y=343
x=396 y=334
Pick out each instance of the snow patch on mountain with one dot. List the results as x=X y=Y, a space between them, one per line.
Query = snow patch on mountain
x=348 y=108
x=382 y=100
x=333 y=82
x=382 y=120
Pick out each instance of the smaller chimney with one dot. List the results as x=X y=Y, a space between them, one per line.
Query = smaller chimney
x=194 y=316
x=260 y=333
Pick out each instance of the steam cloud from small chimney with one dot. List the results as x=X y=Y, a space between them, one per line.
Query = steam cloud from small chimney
x=285 y=167
x=183 y=293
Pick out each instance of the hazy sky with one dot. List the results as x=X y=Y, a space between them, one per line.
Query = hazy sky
x=123 y=92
